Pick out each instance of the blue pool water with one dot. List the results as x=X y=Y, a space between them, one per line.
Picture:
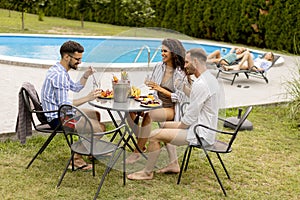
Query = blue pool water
x=97 y=49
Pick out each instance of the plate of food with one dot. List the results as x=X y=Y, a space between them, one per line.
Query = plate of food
x=150 y=103
x=145 y=98
x=140 y=98
x=106 y=94
x=135 y=92
x=108 y=97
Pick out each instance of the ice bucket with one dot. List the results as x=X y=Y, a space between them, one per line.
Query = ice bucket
x=121 y=91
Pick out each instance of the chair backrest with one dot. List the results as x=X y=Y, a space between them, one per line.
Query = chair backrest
x=239 y=125
x=33 y=104
x=76 y=122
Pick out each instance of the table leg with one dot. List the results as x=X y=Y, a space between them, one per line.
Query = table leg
x=127 y=130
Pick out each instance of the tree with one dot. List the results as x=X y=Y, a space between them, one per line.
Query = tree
x=84 y=7
x=42 y=4
x=160 y=8
x=137 y=12
x=169 y=15
x=23 y=6
x=8 y=5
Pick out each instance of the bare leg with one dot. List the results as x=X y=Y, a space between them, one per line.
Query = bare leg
x=231 y=67
x=242 y=66
x=173 y=166
x=214 y=56
x=173 y=136
x=143 y=134
x=130 y=121
x=247 y=57
x=95 y=119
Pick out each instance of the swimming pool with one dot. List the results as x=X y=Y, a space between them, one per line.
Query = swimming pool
x=39 y=48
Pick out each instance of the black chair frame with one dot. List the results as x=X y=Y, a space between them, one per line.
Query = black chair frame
x=219 y=148
x=112 y=148
x=42 y=127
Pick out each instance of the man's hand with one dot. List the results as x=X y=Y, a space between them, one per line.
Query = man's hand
x=93 y=95
x=89 y=72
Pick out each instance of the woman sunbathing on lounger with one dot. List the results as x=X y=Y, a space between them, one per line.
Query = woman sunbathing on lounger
x=234 y=54
x=258 y=64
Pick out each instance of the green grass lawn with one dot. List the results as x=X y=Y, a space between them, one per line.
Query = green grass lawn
x=264 y=164
x=54 y=25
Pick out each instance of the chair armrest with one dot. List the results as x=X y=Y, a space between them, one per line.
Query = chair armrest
x=221 y=119
x=110 y=131
x=212 y=129
x=42 y=111
x=182 y=106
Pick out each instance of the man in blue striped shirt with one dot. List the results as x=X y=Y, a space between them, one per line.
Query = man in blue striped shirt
x=57 y=85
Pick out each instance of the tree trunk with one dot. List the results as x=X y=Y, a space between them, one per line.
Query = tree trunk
x=82 y=21
x=23 y=25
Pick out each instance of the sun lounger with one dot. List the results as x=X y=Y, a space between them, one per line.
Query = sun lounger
x=250 y=72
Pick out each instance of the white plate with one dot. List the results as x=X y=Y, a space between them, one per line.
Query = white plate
x=150 y=105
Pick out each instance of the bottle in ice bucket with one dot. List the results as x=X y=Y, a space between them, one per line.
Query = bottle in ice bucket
x=124 y=75
x=121 y=87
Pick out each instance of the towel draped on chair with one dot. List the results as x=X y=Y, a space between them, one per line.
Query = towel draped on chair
x=23 y=125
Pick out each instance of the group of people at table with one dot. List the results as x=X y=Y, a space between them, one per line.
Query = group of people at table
x=181 y=76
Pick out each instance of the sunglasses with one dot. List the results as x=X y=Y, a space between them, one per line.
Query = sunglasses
x=78 y=59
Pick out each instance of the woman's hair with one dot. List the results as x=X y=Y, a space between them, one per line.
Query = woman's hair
x=70 y=47
x=272 y=56
x=177 y=52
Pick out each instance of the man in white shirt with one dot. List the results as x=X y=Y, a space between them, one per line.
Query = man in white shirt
x=203 y=108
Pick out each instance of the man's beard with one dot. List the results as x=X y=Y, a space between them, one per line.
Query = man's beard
x=190 y=69
x=73 y=66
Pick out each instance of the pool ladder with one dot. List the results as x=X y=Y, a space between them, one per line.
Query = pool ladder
x=148 y=51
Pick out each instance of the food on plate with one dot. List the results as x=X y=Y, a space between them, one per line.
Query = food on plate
x=149 y=97
x=140 y=98
x=135 y=92
x=107 y=93
x=147 y=101
x=150 y=103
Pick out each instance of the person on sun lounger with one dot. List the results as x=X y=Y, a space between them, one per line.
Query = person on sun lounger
x=259 y=64
x=234 y=54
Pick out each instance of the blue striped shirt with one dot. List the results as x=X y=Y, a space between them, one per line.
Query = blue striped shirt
x=55 y=89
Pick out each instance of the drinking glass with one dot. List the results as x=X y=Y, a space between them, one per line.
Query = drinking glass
x=147 y=79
